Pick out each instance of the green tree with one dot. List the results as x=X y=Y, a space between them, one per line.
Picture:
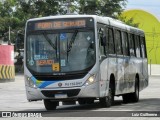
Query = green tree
x=15 y=13
x=110 y=8
x=7 y=19
x=128 y=21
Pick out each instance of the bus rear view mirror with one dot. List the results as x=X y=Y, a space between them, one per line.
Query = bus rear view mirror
x=103 y=41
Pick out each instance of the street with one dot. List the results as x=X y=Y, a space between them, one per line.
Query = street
x=13 y=98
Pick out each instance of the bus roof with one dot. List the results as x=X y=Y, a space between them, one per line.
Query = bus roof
x=61 y=16
x=104 y=20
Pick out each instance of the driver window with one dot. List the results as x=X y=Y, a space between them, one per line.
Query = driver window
x=101 y=37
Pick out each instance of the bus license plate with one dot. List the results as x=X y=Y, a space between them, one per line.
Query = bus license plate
x=60 y=96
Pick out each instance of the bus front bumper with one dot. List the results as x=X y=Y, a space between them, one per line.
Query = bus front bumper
x=86 y=91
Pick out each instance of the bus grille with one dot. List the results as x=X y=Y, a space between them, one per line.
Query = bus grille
x=51 y=93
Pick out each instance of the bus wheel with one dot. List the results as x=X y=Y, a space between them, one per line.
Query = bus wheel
x=135 y=95
x=81 y=101
x=50 y=105
x=126 y=98
x=108 y=100
x=132 y=97
x=90 y=101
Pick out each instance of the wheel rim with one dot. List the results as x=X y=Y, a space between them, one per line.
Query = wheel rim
x=137 y=90
x=109 y=96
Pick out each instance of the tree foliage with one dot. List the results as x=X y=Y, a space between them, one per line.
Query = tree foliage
x=14 y=13
x=110 y=8
x=128 y=21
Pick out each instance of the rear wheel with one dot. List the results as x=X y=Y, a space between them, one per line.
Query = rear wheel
x=135 y=95
x=50 y=105
x=132 y=97
x=126 y=98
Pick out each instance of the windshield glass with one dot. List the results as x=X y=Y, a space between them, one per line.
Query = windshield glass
x=69 y=51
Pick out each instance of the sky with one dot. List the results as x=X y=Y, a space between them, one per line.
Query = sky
x=151 y=6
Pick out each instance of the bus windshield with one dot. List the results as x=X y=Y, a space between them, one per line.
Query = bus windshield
x=63 y=51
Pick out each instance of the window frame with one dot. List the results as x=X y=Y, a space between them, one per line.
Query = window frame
x=125 y=43
x=110 y=30
x=132 y=45
x=118 y=42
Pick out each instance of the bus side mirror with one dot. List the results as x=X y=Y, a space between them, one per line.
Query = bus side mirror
x=103 y=41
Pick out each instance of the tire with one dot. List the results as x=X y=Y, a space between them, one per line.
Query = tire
x=82 y=101
x=90 y=101
x=50 y=105
x=132 y=97
x=126 y=98
x=108 y=100
x=135 y=95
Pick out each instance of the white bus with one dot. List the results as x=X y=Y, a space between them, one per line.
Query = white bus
x=83 y=58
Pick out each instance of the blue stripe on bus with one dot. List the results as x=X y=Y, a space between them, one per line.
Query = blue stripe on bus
x=42 y=84
x=46 y=83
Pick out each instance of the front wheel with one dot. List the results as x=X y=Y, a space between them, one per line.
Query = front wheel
x=82 y=101
x=90 y=101
x=108 y=100
x=50 y=105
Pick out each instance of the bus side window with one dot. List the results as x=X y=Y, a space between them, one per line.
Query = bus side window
x=125 y=43
x=118 y=42
x=131 y=43
x=101 y=37
x=137 y=46
x=140 y=50
x=110 y=42
x=142 y=39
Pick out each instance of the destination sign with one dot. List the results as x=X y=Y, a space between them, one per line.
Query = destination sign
x=59 y=24
x=62 y=23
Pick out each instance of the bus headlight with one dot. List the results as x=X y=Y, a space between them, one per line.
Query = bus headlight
x=30 y=82
x=90 y=80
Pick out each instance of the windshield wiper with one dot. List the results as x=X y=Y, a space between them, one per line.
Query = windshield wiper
x=72 y=41
x=50 y=42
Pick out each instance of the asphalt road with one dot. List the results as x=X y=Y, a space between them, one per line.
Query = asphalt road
x=13 y=98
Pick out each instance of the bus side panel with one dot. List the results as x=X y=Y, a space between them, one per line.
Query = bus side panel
x=132 y=74
x=128 y=82
x=103 y=78
x=107 y=67
x=139 y=67
x=144 y=74
x=120 y=85
x=140 y=72
x=112 y=69
x=134 y=69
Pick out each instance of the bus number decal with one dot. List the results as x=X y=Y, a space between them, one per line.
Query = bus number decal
x=73 y=84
